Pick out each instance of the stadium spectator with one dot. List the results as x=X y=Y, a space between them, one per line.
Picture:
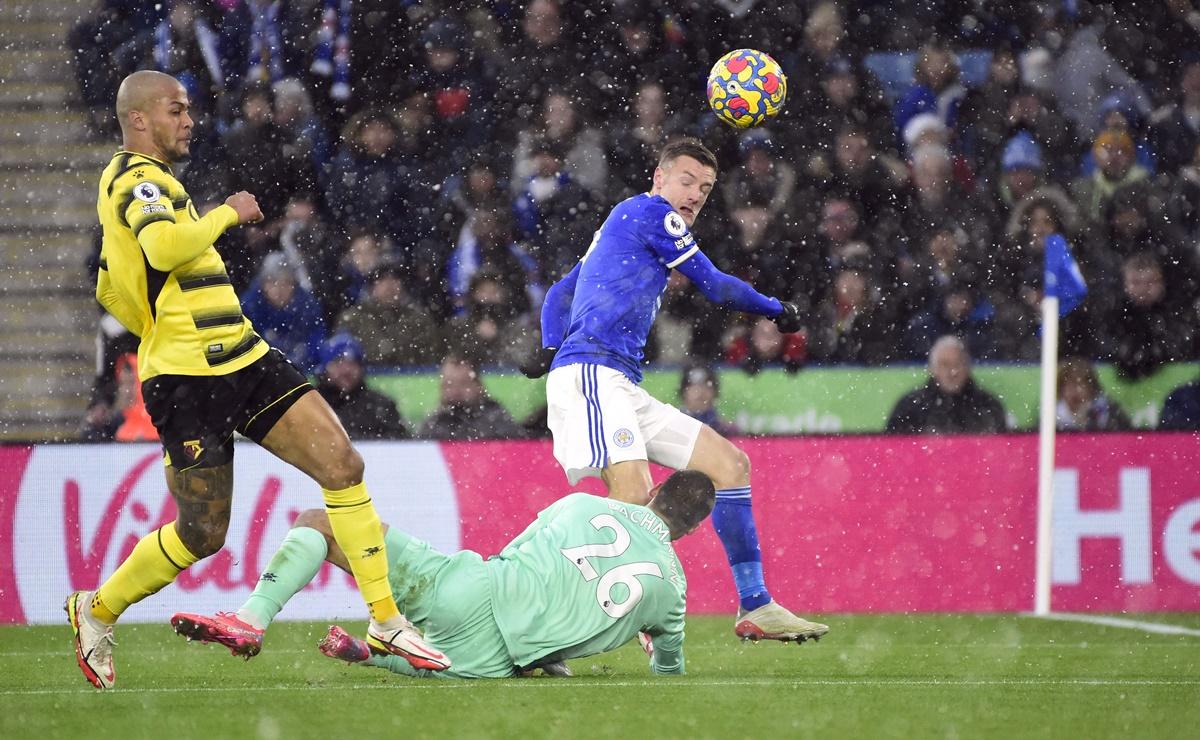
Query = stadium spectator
x=843 y=96
x=365 y=252
x=962 y=311
x=1115 y=168
x=555 y=215
x=1084 y=74
x=1181 y=409
x=562 y=130
x=864 y=175
x=285 y=314
x=488 y=238
x=135 y=424
x=985 y=114
x=840 y=239
x=1119 y=113
x=393 y=329
x=460 y=88
x=491 y=332
x=465 y=410
x=699 y=388
x=101 y=47
x=761 y=343
x=950 y=401
x=923 y=276
x=936 y=203
x=1021 y=171
x=1035 y=112
x=853 y=325
x=1149 y=327
x=547 y=58
x=304 y=136
x=189 y=45
x=256 y=138
x=103 y=416
x=637 y=48
x=365 y=413
x=762 y=179
x=367 y=181
x=1082 y=405
x=1135 y=222
x=935 y=89
x=632 y=143
x=1175 y=129
x=822 y=43
x=308 y=243
x=1183 y=204
x=671 y=337
x=1015 y=278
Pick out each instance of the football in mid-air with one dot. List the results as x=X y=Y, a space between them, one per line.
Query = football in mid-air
x=746 y=87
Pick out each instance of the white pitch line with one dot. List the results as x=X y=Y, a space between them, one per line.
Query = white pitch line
x=527 y=684
x=1157 y=628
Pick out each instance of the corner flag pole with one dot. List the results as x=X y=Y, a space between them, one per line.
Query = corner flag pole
x=1046 y=432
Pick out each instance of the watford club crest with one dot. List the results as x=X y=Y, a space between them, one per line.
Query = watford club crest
x=193 y=448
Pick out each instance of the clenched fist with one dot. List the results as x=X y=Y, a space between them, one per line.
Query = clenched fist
x=246 y=206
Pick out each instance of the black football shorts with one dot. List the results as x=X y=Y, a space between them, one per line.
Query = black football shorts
x=196 y=415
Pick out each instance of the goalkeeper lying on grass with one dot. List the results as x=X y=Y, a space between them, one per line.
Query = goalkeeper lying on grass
x=584 y=578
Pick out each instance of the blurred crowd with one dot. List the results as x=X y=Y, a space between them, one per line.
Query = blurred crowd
x=427 y=169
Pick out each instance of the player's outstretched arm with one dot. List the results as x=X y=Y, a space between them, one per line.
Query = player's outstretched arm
x=169 y=245
x=727 y=290
x=556 y=315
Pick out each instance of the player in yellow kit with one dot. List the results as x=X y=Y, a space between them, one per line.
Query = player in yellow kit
x=205 y=374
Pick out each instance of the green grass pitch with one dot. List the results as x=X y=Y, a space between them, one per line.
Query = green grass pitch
x=961 y=676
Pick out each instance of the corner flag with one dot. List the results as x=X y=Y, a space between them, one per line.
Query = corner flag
x=1063 y=290
x=1063 y=280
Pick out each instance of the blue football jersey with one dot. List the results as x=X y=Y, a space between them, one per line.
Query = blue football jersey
x=621 y=281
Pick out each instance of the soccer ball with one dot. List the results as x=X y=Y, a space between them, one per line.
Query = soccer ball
x=746 y=87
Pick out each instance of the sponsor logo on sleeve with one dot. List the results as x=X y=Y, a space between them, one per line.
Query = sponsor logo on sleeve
x=674 y=224
x=147 y=191
x=154 y=208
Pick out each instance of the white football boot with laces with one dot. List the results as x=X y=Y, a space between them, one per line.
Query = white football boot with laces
x=773 y=622
x=93 y=641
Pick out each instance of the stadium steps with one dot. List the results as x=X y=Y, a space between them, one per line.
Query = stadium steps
x=30 y=65
x=23 y=125
x=35 y=157
x=48 y=168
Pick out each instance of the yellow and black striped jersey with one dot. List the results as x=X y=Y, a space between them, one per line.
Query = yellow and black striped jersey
x=162 y=278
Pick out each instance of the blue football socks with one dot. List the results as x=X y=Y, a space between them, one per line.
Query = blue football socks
x=733 y=520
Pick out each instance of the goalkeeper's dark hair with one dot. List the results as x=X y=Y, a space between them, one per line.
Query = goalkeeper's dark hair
x=685 y=499
x=687 y=146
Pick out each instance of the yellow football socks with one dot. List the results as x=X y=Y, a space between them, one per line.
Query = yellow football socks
x=156 y=560
x=358 y=531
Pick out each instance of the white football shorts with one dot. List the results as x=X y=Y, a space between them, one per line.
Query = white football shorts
x=599 y=417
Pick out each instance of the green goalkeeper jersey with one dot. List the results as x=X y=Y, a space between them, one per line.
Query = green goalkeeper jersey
x=585 y=578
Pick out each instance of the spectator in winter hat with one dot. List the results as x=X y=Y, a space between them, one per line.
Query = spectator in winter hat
x=699 y=388
x=285 y=314
x=1021 y=167
x=1120 y=112
x=1115 y=166
x=365 y=413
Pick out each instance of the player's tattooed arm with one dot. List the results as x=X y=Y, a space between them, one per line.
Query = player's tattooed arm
x=202 y=497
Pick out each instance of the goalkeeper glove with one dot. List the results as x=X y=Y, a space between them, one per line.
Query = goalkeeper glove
x=788 y=319
x=538 y=363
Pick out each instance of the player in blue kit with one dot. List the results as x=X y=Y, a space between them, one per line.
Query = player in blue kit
x=595 y=322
